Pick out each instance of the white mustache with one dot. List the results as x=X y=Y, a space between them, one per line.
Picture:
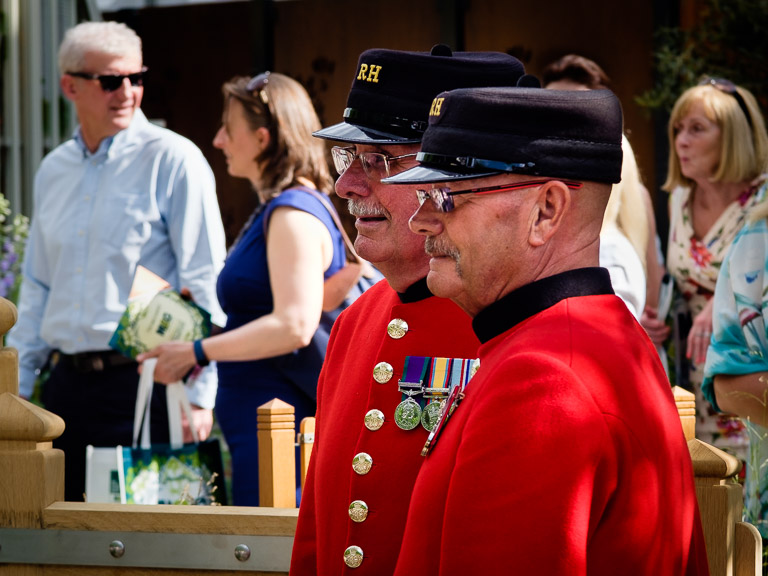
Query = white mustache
x=360 y=209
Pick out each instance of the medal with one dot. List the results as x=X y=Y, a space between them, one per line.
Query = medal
x=437 y=389
x=461 y=371
x=431 y=414
x=408 y=412
x=448 y=407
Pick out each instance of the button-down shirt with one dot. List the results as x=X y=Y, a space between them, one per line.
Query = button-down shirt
x=146 y=197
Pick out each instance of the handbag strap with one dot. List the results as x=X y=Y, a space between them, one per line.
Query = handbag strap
x=143 y=402
x=177 y=401
x=352 y=255
x=349 y=248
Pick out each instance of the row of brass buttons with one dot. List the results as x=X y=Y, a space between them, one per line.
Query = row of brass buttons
x=362 y=462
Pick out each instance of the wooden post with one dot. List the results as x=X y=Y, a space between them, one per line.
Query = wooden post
x=734 y=548
x=277 y=454
x=306 y=442
x=686 y=408
x=31 y=471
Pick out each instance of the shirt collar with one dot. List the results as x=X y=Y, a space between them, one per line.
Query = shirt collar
x=415 y=292
x=123 y=137
x=529 y=300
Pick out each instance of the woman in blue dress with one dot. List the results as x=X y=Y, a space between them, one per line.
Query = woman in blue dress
x=271 y=286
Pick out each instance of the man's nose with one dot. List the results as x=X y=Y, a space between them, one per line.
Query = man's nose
x=354 y=182
x=426 y=220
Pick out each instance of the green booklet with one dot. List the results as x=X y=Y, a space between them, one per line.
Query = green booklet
x=155 y=314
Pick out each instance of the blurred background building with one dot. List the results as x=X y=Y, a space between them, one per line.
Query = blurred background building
x=191 y=47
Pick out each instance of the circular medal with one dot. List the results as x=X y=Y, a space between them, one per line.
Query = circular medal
x=431 y=415
x=408 y=414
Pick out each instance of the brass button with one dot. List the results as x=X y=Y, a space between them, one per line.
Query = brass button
x=397 y=328
x=353 y=556
x=358 y=511
x=383 y=372
x=362 y=463
x=374 y=419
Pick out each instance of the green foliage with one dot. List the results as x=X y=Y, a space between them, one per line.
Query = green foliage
x=730 y=40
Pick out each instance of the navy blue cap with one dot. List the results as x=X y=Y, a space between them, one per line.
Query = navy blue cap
x=393 y=90
x=480 y=132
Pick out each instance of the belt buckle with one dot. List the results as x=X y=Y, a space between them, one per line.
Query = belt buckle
x=97 y=364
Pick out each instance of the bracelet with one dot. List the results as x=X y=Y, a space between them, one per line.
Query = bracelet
x=200 y=357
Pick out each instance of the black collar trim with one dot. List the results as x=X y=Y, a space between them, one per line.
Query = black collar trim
x=537 y=296
x=415 y=292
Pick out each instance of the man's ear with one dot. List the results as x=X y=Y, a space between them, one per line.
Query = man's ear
x=550 y=208
x=68 y=87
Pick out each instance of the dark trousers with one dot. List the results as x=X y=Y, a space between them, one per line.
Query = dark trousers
x=98 y=409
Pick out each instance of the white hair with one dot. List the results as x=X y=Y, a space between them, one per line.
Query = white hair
x=113 y=38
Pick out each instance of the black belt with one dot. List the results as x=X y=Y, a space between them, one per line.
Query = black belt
x=97 y=361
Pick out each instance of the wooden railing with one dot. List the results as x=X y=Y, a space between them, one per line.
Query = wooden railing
x=42 y=535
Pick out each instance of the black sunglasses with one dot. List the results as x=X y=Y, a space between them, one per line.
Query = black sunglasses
x=112 y=82
x=729 y=88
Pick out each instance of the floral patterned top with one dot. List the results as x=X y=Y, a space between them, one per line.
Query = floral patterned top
x=740 y=346
x=695 y=265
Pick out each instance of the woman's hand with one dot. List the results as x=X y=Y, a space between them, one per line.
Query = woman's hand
x=657 y=329
x=174 y=361
x=700 y=335
x=202 y=420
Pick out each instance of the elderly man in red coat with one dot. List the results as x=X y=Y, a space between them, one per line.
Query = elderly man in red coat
x=564 y=455
x=398 y=350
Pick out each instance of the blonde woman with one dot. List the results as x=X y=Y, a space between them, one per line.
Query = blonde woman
x=718 y=152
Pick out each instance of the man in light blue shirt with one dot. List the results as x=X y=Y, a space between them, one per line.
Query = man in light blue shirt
x=121 y=193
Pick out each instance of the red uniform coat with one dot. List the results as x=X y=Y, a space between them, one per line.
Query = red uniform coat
x=566 y=456
x=347 y=390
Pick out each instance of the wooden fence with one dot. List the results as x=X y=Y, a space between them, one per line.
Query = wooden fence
x=42 y=535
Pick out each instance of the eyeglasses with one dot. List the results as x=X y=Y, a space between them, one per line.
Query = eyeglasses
x=729 y=88
x=112 y=82
x=375 y=164
x=442 y=198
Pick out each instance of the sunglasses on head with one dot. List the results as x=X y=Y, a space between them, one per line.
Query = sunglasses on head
x=729 y=88
x=112 y=82
x=259 y=83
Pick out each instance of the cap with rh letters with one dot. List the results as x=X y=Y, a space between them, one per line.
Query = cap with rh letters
x=393 y=90
x=474 y=133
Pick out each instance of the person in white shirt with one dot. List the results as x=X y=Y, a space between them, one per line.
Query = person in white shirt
x=121 y=193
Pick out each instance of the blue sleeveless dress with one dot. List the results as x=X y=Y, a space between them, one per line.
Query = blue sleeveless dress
x=244 y=292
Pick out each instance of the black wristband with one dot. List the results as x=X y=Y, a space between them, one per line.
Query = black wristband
x=200 y=357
